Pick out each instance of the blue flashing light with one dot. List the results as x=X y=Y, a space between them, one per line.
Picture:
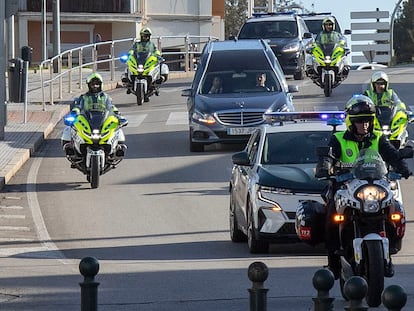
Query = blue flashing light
x=124 y=58
x=335 y=122
x=69 y=119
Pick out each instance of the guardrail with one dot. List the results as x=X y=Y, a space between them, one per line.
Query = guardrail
x=67 y=66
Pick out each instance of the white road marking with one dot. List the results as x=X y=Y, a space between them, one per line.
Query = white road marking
x=39 y=223
x=14 y=228
x=176 y=118
x=136 y=120
x=12 y=216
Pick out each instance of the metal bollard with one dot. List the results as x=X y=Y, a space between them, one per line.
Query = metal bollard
x=258 y=273
x=356 y=288
x=323 y=280
x=89 y=267
x=394 y=298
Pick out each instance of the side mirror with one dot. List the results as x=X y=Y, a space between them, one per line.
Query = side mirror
x=307 y=35
x=186 y=92
x=324 y=151
x=347 y=32
x=123 y=122
x=241 y=158
x=293 y=88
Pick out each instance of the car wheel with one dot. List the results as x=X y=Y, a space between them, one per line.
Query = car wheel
x=236 y=234
x=195 y=147
x=300 y=75
x=256 y=246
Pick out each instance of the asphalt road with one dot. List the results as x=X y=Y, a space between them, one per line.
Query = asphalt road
x=158 y=224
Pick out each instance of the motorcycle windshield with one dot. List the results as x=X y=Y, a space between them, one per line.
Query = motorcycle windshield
x=141 y=57
x=328 y=48
x=369 y=165
x=96 y=118
x=384 y=115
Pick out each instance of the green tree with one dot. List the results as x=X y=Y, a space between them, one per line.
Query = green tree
x=236 y=12
x=403 y=42
x=235 y=16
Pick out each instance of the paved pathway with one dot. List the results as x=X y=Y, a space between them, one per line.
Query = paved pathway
x=26 y=128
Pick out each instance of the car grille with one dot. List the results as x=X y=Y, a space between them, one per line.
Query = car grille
x=241 y=118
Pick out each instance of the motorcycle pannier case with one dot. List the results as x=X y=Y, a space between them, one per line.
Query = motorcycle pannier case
x=310 y=222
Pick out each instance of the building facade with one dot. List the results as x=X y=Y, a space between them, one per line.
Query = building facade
x=84 y=22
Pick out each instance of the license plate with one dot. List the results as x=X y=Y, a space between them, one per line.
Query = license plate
x=240 y=130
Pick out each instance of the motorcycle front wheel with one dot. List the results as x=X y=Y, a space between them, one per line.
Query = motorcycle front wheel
x=139 y=92
x=374 y=271
x=94 y=177
x=327 y=86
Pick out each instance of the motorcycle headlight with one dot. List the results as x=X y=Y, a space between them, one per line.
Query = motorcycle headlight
x=292 y=47
x=371 y=198
x=140 y=68
x=203 y=118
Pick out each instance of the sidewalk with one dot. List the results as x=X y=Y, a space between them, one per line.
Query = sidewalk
x=21 y=139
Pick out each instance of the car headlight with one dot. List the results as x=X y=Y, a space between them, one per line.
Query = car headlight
x=268 y=195
x=371 y=197
x=203 y=118
x=291 y=47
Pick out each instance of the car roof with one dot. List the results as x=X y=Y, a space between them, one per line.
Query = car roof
x=271 y=17
x=228 y=45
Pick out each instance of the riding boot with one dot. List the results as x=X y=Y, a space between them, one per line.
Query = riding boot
x=121 y=150
x=334 y=264
x=389 y=270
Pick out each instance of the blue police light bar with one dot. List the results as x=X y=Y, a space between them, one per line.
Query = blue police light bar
x=330 y=117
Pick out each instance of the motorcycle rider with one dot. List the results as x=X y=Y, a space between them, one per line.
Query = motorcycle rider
x=145 y=44
x=345 y=145
x=94 y=100
x=380 y=92
x=328 y=35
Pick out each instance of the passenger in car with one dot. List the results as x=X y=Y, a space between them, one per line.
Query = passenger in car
x=216 y=86
x=261 y=82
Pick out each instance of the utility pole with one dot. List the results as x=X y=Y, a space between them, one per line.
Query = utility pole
x=3 y=60
x=56 y=31
x=44 y=30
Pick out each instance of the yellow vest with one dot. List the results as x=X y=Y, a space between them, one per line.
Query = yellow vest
x=349 y=148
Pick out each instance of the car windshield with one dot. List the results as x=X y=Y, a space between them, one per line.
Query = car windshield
x=239 y=72
x=293 y=147
x=315 y=26
x=268 y=30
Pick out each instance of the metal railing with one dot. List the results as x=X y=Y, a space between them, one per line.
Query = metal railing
x=66 y=69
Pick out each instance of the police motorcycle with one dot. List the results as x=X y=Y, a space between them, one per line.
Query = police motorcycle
x=392 y=121
x=144 y=74
x=369 y=214
x=94 y=148
x=327 y=66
